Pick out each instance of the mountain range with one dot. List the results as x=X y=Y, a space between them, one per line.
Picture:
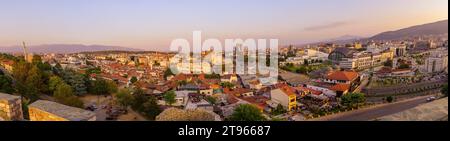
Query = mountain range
x=66 y=48
x=436 y=28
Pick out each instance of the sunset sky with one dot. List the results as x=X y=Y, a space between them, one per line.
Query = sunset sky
x=153 y=24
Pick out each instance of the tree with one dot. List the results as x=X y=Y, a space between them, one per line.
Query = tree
x=390 y=99
x=227 y=85
x=151 y=108
x=76 y=80
x=404 y=66
x=54 y=82
x=133 y=79
x=247 y=112
x=36 y=59
x=279 y=110
x=6 y=84
x=445 y=90
x=33 y=83
x=306 y=62
x=388 y=63
x=102 y=87
x=211 y=100
x=64 y=94
x=353 y=100
x=174 y=114
x=302 y=70
x=168 y=73
x=169 y=97
x=139 y=99
x=124 y=98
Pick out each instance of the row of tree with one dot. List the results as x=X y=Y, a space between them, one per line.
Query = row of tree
x=138 y=101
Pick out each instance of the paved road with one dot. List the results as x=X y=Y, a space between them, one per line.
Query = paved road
x=376 y=112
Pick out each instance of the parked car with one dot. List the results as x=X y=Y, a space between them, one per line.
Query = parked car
x=431 y=99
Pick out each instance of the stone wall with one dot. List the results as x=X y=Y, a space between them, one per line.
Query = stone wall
x=42 y=110
x=40 y=115
x=10 y=107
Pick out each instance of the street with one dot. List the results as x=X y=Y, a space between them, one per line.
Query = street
x=375 y=112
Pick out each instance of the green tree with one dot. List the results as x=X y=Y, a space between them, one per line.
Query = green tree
x=76 y=80
x=102 y=87
x=227 y=85
x=33 y=83
x=124 y=98
x=211 y=100
x=139 y=98
x=279 y=110
x=133 y=79
x=388 y=63
x=168 y=73
x=445 y=90
x=6 y=84
x=390 y=99
x=36 y=59
x=151 y=108
x=64 y=94
x=169 y=97
x=404 y=66
x=353 y=100
x=247 y=112
x=54 y=82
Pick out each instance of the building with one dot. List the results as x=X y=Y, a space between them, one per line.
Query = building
x=10 y=108
x=8 y=65
x=343 y=81
x=42 y=110
x=285 y=96
x=181 y=98
x=349 y=59
x=437 y=61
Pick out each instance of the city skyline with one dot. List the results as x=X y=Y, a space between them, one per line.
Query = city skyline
x=152 y=25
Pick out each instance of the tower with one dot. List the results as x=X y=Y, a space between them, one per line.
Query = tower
x=25 y=51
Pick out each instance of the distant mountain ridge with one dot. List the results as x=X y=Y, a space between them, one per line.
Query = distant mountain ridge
x=436 y=28
x=66 y=48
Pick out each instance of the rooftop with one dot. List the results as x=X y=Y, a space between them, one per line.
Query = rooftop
x=343 y=75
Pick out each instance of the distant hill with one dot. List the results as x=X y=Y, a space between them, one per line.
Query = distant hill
x=66 y=48
x=435 y=28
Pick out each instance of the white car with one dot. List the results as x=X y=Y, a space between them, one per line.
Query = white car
x=431 y=99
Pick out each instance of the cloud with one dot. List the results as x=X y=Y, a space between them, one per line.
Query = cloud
x=326 y=26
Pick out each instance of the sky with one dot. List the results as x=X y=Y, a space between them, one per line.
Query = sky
x=153 y=24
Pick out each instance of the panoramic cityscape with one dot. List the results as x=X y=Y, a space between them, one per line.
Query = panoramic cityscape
x=290 y=60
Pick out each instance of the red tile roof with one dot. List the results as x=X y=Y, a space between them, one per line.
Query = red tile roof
x=343 y=75
x=340 y=87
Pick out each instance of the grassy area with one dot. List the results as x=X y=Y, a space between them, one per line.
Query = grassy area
x=305 y=69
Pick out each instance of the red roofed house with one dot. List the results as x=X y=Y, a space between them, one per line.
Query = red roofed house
x=8 y=65
x=286 y=96
x=344 y=81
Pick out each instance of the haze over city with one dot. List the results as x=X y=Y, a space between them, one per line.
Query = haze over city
x=152 y=25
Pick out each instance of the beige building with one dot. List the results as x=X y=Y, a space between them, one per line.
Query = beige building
x=437 y=62
x=284 y=96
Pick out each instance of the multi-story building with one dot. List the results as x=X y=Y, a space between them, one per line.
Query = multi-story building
x=285 y=96
x=437 y=61
x=350 y=59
